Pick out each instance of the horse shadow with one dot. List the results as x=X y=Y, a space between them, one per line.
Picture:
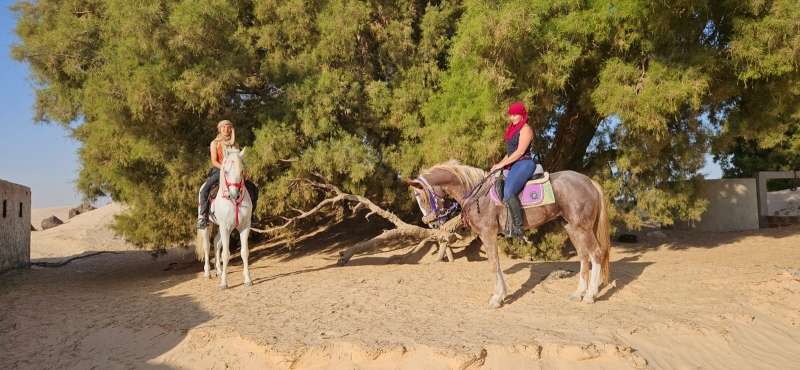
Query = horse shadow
x=623 y=272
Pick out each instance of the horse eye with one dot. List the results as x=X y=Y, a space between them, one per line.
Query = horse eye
x=416 y=194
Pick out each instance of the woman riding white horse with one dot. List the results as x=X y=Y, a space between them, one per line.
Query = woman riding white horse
x=231 y=210
x=226 y=137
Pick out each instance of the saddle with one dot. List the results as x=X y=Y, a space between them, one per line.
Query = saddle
x=212 y=194
x=537 y=190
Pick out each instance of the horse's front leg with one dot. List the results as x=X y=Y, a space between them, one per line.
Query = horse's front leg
x=226 y=256
x=245 y=252
x=217 y=251
x=490 y=241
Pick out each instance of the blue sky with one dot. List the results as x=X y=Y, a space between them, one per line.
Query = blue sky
x=43 y=157
x=40 y=157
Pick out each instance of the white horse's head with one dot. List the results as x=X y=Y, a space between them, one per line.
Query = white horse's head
x=233 y=172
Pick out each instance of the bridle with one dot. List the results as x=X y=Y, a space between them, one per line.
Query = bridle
x=441 y=214
x=239 y=185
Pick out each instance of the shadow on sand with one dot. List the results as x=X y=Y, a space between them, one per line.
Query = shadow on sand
x=623 y=272
x=108 y=311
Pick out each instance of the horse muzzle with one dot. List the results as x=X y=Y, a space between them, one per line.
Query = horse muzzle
x=233 y=193
x=432 y=220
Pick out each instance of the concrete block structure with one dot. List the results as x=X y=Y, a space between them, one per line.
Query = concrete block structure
x=15 y=226
x=765 y=219
x=732 y=205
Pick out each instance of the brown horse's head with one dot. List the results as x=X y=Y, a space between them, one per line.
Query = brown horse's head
x=438 y=190
x=430 y=201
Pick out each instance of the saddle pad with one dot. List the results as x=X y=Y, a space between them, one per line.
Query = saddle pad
x=532 y=195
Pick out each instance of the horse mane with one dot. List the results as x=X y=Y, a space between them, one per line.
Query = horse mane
x=467 y=175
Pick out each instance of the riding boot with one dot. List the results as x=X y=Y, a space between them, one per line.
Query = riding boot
x=202 y=219
x=515 y=211
x=253 y=191
x=253 y=219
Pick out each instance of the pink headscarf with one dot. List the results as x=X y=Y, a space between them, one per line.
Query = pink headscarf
x=516 y=108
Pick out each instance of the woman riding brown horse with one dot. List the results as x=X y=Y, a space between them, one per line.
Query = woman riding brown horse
x=578 y=199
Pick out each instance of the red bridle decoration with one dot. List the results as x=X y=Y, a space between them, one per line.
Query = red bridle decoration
x=226 y=195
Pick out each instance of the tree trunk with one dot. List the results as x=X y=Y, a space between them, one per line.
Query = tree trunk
x=576 y=128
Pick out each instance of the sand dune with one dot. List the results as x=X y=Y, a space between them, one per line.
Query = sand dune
x=687 y=301
x=85 y=232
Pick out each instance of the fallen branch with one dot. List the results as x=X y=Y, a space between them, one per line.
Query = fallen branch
x=62 y=263
x=445 y=235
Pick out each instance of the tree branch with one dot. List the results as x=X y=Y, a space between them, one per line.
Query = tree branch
x=445 y=235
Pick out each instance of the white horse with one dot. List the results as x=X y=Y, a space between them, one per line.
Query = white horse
x=230 y=210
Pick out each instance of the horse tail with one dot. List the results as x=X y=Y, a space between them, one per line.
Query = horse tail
x=601 y=231
x=198 y=242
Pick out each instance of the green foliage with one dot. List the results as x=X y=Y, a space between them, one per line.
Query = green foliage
x=547 y=242
x=363 y=93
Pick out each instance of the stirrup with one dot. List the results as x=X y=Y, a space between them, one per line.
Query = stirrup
x=202 y=223
x=516 y=233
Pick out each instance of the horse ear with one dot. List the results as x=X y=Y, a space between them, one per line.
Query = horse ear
x=413 y=183
x=241 y=154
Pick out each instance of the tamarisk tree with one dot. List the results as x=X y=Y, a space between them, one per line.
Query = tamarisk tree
x=632 y=93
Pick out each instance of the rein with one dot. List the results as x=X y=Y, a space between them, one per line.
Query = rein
x=472 y=198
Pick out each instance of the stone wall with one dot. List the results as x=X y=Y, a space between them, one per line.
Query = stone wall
x=732 y=205
x=15 y=226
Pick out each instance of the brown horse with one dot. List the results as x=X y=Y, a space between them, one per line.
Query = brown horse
x=578 y=199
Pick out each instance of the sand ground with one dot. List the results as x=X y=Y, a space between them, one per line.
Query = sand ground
x=688 y=301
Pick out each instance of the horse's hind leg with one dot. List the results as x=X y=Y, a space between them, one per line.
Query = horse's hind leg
x=206 y=252
x=583 y=255
x=596 y=255
x=583 y=276
x=245 y=252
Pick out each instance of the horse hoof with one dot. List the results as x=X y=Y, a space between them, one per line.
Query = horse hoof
x=575 y=298
x=588 y=300
x=495 y=302
x=248 y=283
x=223 y=287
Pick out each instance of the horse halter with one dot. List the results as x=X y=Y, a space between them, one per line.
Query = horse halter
x=436 y=213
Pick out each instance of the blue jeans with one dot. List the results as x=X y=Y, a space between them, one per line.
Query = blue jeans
x=518 y=175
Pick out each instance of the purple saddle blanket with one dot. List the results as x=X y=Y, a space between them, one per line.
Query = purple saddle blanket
x=532 y=195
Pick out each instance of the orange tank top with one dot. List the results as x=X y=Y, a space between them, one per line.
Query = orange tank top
x=219 y=152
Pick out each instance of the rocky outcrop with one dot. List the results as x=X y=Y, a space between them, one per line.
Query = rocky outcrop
x=51 y=222
x=83 y=208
